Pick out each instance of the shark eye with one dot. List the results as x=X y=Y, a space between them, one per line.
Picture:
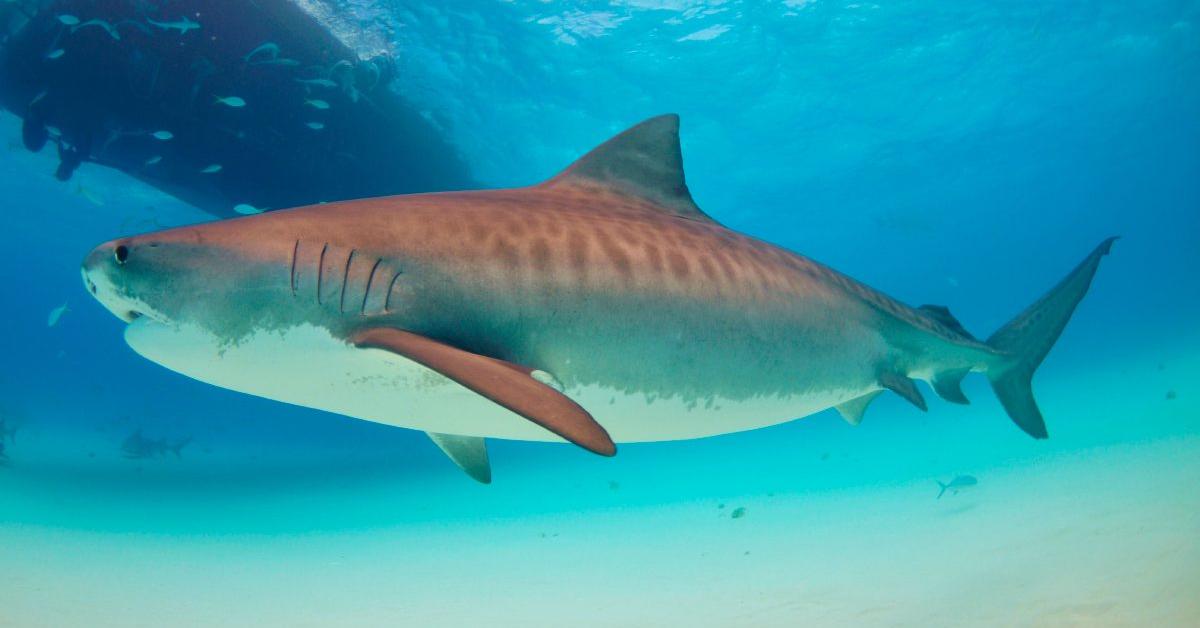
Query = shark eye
x=121 y=253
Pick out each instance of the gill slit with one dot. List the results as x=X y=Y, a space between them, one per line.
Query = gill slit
x=321 y=271
x=362 y=311
x=292 y=279
x=387 y=301
x=345 y=278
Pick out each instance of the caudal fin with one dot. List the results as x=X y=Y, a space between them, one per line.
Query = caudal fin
x=944 y=487
x=1028 y=338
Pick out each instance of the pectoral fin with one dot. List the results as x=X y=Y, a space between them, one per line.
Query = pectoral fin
x=468 y=452
x=509 y=385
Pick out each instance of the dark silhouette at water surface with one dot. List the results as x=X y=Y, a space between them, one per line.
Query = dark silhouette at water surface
x=234 y=107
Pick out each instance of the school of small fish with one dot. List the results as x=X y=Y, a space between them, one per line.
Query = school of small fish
x=265 y=54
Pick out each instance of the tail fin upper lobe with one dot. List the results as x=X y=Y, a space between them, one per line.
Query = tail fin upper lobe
x=1028 y=338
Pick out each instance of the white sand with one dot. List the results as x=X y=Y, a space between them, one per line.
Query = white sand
x=1109 y=537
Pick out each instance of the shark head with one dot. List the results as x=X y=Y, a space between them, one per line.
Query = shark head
x=207 y=275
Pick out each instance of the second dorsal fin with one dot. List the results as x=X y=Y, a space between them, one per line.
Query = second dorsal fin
x=644 y=161
x=941 y=314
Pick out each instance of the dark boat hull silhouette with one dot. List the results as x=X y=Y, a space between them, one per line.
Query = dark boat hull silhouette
x=310 y=122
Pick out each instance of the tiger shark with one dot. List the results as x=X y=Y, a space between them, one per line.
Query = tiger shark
x=599 y=307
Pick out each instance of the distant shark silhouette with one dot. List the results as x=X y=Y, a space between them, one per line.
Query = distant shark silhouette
x=601 y=306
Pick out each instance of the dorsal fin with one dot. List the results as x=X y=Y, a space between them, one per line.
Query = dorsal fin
x=643 y=161
x=941 y=314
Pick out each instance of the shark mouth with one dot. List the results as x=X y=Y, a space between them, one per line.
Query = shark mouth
x=127 y=309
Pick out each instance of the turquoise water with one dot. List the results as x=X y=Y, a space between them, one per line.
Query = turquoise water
x=965 y=154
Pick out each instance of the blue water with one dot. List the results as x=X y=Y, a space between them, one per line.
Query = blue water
x=964 y=153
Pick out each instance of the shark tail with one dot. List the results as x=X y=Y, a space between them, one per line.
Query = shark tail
x=1026 y=340
x=944 y=487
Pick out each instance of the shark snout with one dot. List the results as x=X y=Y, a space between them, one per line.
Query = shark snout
x=100 y=270
x=99 y=255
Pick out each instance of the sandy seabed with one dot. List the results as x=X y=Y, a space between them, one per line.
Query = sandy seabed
x=1099 y=526
x=1105 y=537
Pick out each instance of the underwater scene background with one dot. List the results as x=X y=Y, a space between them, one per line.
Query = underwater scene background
x=965 y=154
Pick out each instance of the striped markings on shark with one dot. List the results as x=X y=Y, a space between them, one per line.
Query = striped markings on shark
x=601 y=306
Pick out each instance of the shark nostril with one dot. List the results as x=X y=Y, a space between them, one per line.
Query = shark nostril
x=121 y=253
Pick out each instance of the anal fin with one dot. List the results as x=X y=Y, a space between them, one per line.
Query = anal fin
x=948 y=385
x=854 y=409
x=468 y=452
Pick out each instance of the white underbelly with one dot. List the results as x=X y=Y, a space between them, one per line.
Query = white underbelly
x=307 y=366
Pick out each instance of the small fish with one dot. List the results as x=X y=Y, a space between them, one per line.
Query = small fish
x=959 y=482
x=211 y=169
x=108 y=28
x=738 y=513
x=291 y=63
x=153 y=160
x=270 y=49
x=162 y=135
x=316 y=126
x=89 y=195
x=236 y=102
x=55 y=54
x=53 y=131
x=247 y=209
x=316 y=103
x=182 y=25
x=1171 y=395
x=68 y=20
x=317 y=82
x=55 y=315
x=38 y=98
